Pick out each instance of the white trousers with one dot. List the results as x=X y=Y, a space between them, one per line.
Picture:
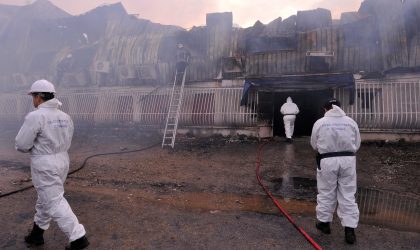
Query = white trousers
x=336 y=181
x=289 y=125
x=49 y=173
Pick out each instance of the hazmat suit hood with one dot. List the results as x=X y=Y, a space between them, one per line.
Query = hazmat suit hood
x=289 y=107
x=53 y=103
x=335 y=112
x=346 y=138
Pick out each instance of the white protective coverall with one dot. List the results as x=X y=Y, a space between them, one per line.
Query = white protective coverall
x=46 y=134
x=336 y=178
x=289 y=110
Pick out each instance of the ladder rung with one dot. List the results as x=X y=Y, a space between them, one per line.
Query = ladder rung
x=174 y=109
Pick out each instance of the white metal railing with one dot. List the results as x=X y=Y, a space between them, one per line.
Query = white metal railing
x=400 y=211
x=217 y=107
x=378 y=105
x=201 y=107
x=384 y=105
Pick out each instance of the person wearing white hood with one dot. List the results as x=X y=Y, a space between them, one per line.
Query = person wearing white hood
x=46 y=134
x=336 y=138
x=289 y=110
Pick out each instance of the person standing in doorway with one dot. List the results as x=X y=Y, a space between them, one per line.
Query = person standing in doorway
x=289 y=110
x=46 y=134
x=336 y=138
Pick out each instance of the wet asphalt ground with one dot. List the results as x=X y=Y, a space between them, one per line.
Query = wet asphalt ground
x=202 y=195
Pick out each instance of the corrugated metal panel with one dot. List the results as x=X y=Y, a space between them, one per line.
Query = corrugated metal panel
x=390 y=51
x=392 y=32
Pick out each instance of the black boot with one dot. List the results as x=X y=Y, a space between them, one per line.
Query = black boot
x=36 y=236
x=323 y=227
x=80 y=243
x=350 y=235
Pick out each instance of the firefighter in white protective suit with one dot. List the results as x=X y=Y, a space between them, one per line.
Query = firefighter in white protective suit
x=289 y=110
x=336 y=138
x=46 y=134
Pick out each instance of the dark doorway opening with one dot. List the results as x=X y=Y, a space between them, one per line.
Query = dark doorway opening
x=310 y=106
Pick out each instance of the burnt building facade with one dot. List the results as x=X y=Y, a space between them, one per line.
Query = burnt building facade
x=110 y=66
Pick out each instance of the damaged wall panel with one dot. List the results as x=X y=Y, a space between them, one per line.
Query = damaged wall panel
x=109 y=47
x=390 y=24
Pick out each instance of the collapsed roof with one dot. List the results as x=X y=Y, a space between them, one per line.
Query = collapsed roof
x=108 y=47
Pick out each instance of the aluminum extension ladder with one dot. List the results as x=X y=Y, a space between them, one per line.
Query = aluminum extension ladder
x=174 y=109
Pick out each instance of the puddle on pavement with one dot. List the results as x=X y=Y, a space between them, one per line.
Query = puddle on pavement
x=383 y=208
x=295 y=188
x=389 y=209
x=376 y=207
x=14 y=165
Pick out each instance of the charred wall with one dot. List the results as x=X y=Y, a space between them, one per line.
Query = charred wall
x=108 y=47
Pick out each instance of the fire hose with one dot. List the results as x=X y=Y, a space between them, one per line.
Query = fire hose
x=82 y=166
x=282 y=210
x=258 y=165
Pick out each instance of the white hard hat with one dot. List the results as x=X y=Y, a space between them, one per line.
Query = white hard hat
x=42 y=86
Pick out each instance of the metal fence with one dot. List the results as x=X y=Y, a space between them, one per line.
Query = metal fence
x=384 y=105
x=205 y=107
x=389 y=209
